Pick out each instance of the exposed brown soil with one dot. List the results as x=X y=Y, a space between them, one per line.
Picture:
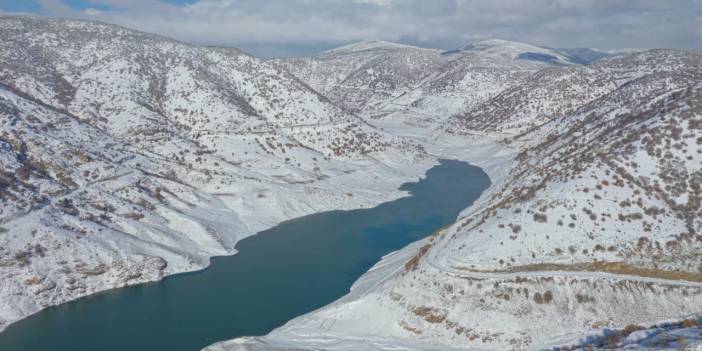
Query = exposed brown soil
x=607 y=267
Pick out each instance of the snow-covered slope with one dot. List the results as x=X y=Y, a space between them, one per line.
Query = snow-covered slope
x=586 y=55
x=127 y=156
x=363 y=75
x=546 y=93
x=71 y=194
x=554 y=92
x=512 y=50
x=594 y=224
x=145 y=88
x=392 y=83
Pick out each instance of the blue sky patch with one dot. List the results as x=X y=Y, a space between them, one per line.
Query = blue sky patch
x=32 y=6
x=19 y=6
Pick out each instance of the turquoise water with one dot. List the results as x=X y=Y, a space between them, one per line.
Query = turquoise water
x=278 y=274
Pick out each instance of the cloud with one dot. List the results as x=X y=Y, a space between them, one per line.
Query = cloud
x=274 y=27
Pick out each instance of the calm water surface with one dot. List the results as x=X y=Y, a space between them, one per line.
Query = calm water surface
x=278 y=274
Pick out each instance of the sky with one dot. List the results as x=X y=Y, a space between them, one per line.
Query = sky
x=270 y=28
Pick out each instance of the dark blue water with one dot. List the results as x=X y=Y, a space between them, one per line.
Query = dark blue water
x=278 y=274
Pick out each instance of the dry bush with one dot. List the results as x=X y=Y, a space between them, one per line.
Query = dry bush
x=540 y=217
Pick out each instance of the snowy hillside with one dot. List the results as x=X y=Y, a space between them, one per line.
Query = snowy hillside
x=546 y=93
x=554 y=92
x=146 y=88
x=512 y=50
x=363 y=75
x=594 y=224
x=416 y=86
x=127 y=156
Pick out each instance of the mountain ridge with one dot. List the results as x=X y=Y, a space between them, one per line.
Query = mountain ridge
x=207 y=146
x=139 y=157
x=591 y=225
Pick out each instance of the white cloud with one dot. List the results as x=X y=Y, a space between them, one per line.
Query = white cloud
x=92 y=12
x=300 y=24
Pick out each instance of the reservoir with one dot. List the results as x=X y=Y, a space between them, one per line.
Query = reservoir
x=277 y=275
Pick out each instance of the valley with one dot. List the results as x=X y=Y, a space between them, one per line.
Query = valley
x=277 y=274
x=131 y=157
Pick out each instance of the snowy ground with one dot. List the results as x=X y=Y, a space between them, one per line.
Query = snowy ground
x=366 y=318
x=128 y=157
x=592 y=226
x=213 y=226
x=330 y=327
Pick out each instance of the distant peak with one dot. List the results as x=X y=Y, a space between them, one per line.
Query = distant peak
x=496 y=43
x=515 y=50
x=368 y=45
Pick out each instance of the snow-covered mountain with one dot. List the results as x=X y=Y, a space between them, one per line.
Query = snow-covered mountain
x=142 y=87
x=586 y=55
x=594 y=222
x=128 y=156
x=511 y=50
x=381 y=80
x=554 y=92
x=364 y=75
x=533 y=101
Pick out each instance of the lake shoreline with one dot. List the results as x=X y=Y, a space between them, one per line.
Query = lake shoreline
x=354 y=269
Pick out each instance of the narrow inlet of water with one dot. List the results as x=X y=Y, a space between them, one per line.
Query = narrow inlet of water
x=278 y=274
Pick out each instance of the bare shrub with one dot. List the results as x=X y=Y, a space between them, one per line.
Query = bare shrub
x=540 y=217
